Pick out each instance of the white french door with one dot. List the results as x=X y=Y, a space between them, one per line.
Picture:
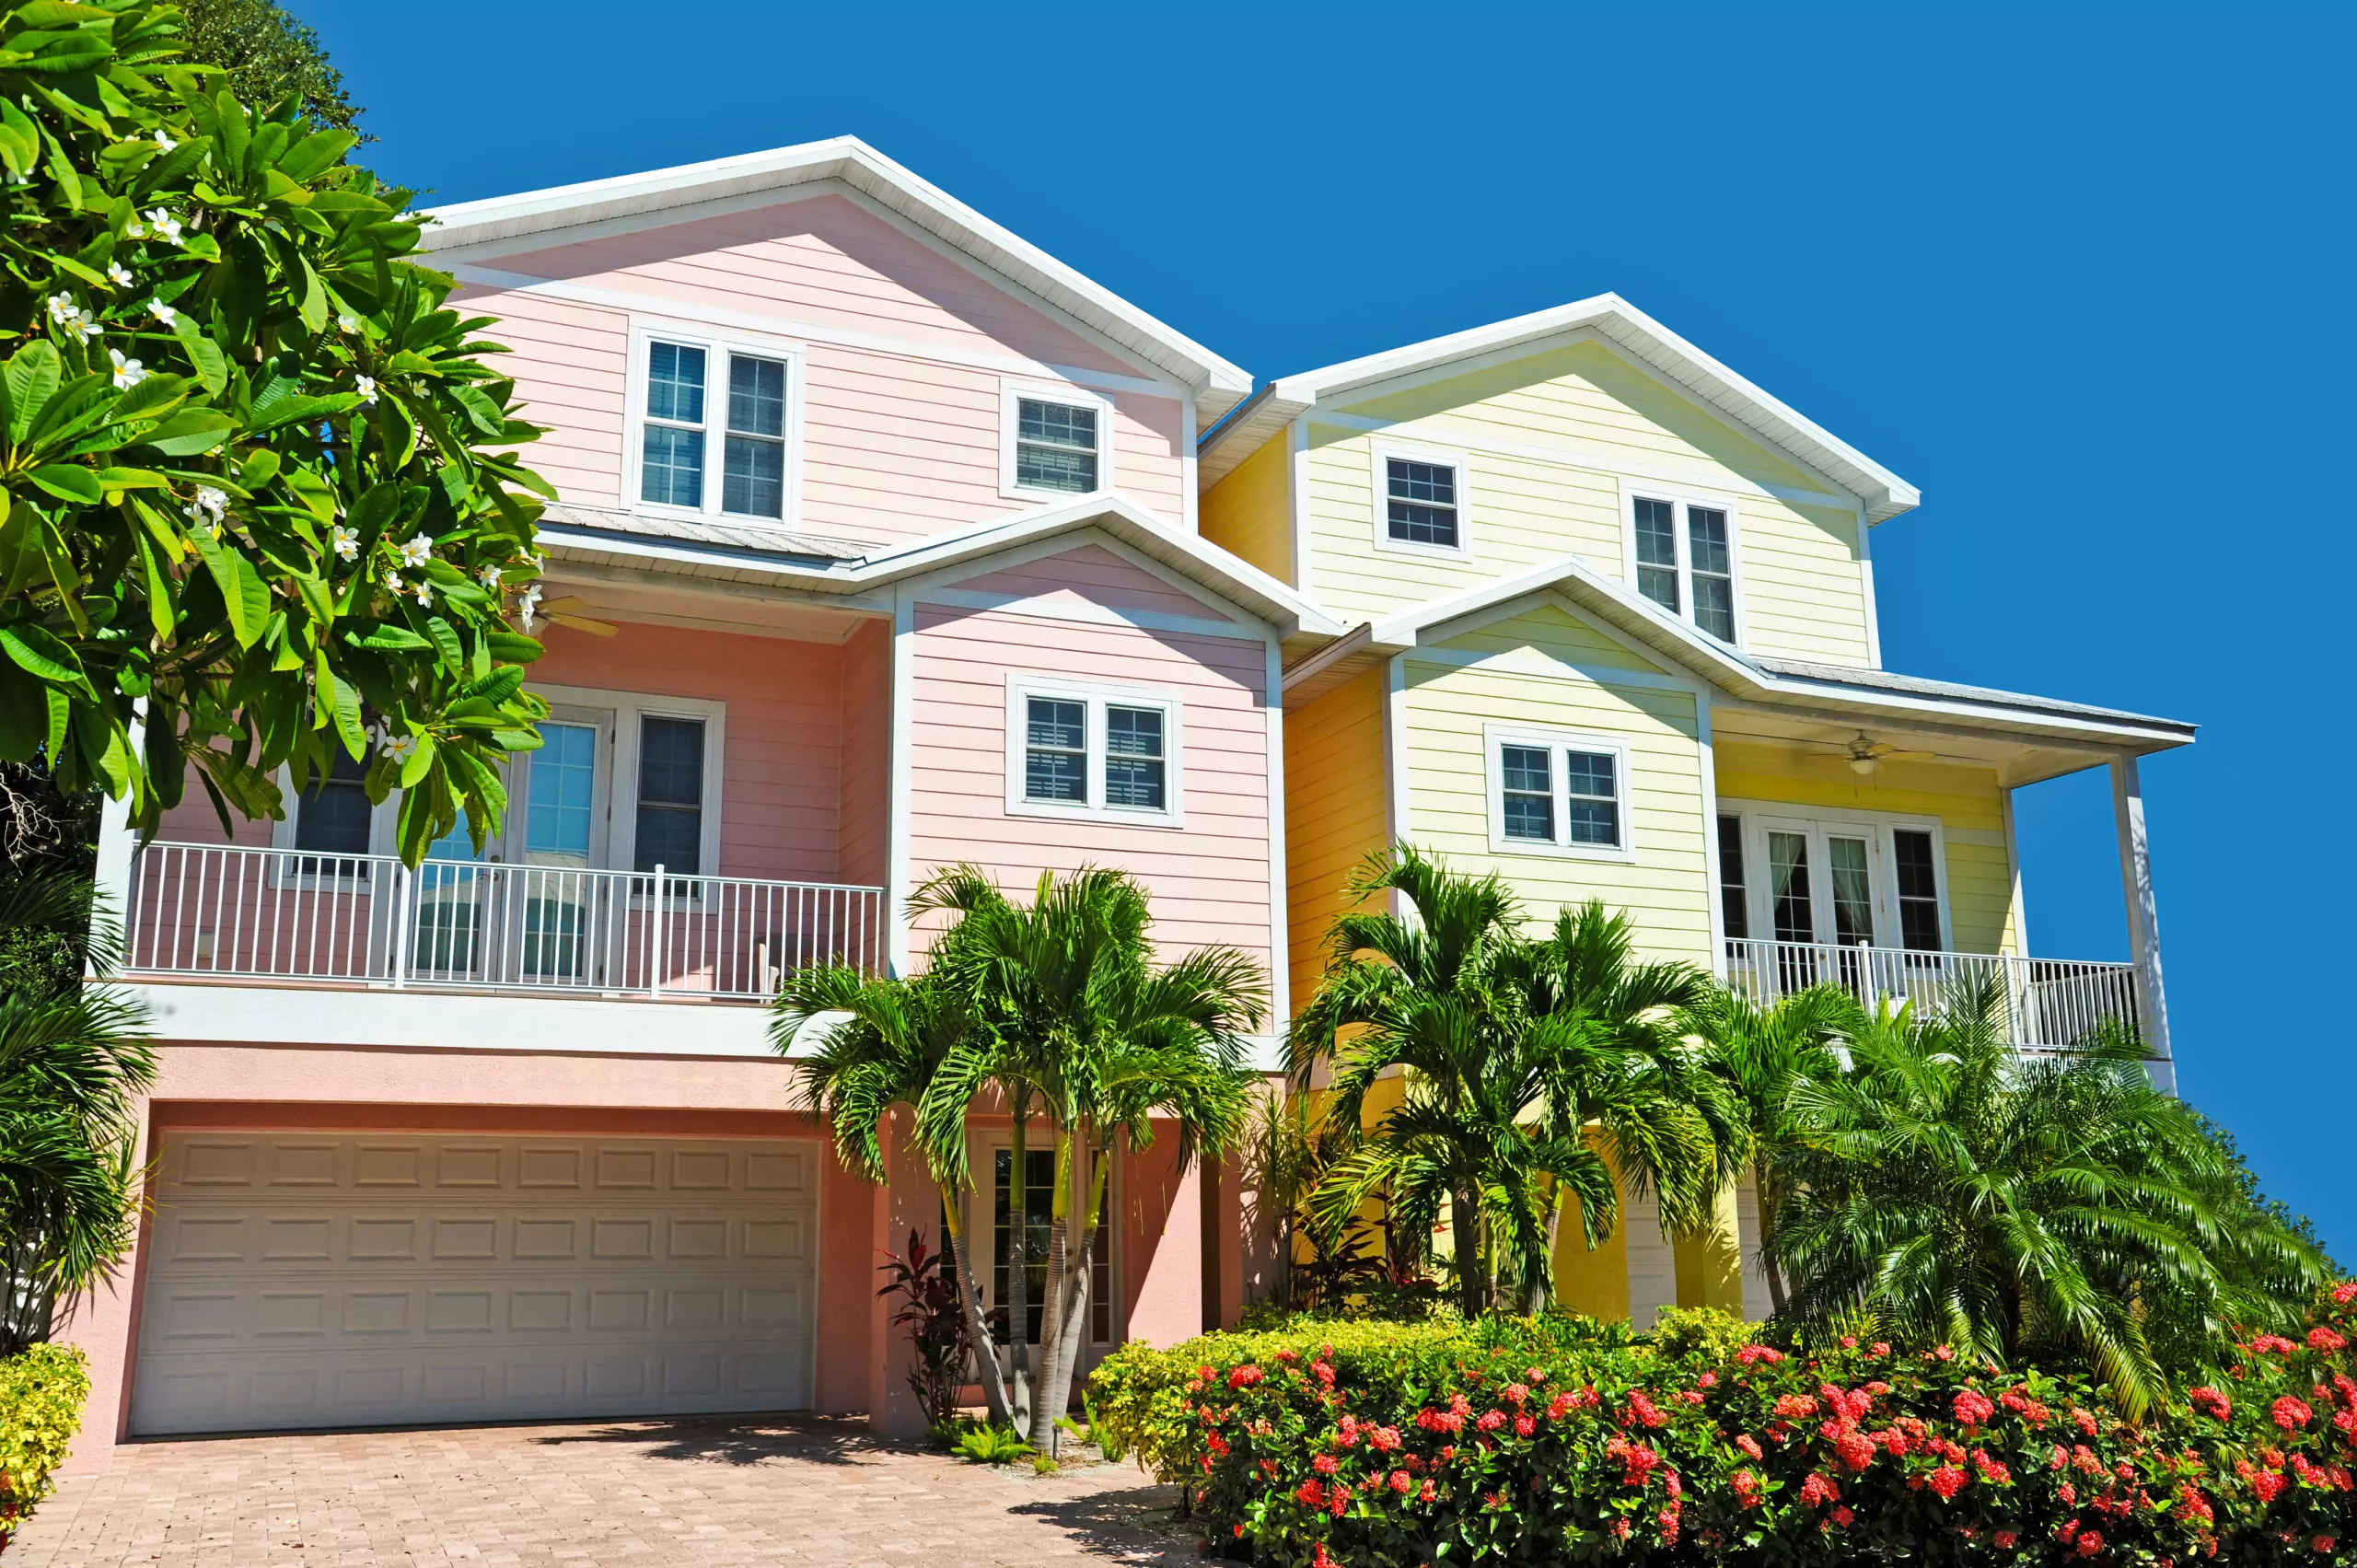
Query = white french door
x=1823 y=885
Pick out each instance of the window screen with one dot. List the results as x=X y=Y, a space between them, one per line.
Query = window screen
x=1055 y=750
x=1134 y=758
x=1421 y=498
x=1919 y=890
x=671 y=469
x=1734 y=907
x=1592 y=801
x=671 y=796
x=1055 y=447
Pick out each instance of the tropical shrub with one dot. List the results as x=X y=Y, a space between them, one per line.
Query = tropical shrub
x=255 y=473
x=926 y=1285
x=1553 y=1441
x=42 y=1393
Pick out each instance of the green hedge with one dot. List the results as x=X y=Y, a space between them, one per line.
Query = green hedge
x=41 y=1393
x=1559 y=1441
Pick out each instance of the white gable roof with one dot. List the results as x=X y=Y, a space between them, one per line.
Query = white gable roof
x=484 y=227
x=1884 y=493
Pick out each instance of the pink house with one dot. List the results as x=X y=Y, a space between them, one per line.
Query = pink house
x=892 y=519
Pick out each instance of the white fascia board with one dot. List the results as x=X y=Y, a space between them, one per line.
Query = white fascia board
x=1216 y=384
x=260 y=1013
x=1262 y=419
x=1883 y=492
x=1250 y=589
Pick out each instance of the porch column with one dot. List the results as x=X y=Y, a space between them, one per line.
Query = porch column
x=2143 y=923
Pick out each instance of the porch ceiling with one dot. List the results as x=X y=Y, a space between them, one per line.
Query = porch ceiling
x=2017 y=760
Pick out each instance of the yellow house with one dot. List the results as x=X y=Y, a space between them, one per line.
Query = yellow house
x=1614 y=636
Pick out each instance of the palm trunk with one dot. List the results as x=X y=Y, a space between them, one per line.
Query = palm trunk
x=978 y=1328
x=1542 y=1289
x=1018 y=1261
x=1468 y=1254
x=1070 y=1308
x=1767 y=1194
x=1055 y=1378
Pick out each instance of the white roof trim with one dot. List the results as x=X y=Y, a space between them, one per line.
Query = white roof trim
x=1238 y=582
x=1883 y=492
x=528 y=216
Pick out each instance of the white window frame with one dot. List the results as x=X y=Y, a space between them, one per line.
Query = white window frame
x=981 y=1216
x=1379 y=454
x=383 y=832
x=1495 y=737
x=1095 y=696
x=717 y=346
x=1684 y=500
x=627 y=708
x=1011 y=394
x=1759 y=816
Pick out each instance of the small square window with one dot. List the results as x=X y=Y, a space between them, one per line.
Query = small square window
x=1113 y=751
x=1055 y=447
x=1421 y=501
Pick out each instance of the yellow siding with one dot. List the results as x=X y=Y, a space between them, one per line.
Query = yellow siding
x=1249 y=513
x=1664 y=889
x=1594 y=1282
x=1710 y=1266
x=1581 y=423
x=1334 y=812
x=1968 y=803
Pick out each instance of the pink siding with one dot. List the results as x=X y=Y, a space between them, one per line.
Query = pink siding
x=1092 y=574
x=866 y=754
x=895 y=446
x=780 y=790
x=1210 y=879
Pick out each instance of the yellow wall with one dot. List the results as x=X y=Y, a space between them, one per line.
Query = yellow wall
x=1583 y=424
x=1539 y=668
x=1334 y=813
x=1249 y=513
x=1968 y=803
x=1710 y=1266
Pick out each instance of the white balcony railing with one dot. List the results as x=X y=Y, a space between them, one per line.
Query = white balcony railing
x=2046 y=1003
x=208 y=911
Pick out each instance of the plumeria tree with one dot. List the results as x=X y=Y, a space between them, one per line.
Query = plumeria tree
x=262 y=499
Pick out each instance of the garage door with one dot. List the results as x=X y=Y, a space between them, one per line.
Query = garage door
x=327 y=1280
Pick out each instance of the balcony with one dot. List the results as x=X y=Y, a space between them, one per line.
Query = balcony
x=2045 y=1003
x=285 y=917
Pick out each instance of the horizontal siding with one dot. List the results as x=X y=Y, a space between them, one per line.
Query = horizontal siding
x=895 y=447
x=1209 y=879
x=1803 y=590
x=1335 y=790
x=1665 y=889
x=1092 y=574
x=1968 y=803
x=1249 y=513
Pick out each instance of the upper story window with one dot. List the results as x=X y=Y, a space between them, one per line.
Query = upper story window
x=334 y=817
x=1558 y=793
x=706 y=407
x=671 y=796
x=1054 y=442
x=1083 y=750
x=1421 y=501
x=1684 y=555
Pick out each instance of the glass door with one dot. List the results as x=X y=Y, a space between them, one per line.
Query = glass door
x=1822 y=894
x=456 y=906
x=564 y=921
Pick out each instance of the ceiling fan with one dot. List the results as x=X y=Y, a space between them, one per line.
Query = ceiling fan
x=1866 y=754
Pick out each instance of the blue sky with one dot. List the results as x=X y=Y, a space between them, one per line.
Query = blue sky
x=2081 y=275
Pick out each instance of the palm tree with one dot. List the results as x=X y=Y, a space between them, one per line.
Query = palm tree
x=2013 y=1206
x=884 y=1046
x=74 y=1061
x=1535 y=1070
x=1761 y=1053
x=1080 y=1013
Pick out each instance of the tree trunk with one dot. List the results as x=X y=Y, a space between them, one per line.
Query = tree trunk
x=1543 y=1290
x=1048 y=1394
x=978 y=1328
x=1018 y=1260
x=1069 y=1304
x=1767 y=1194
x=1468 y=1254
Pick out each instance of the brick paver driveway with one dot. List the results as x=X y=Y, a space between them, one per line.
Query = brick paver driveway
x=722 y=1492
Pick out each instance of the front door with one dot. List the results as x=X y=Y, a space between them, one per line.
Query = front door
x=564 y=924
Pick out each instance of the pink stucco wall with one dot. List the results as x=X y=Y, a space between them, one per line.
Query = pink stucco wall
x=900 y=426
x=1209 y=879
x=866 y=700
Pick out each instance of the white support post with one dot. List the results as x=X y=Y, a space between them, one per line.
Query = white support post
x=117 y=843
x=2144 y=922
x=654 y=965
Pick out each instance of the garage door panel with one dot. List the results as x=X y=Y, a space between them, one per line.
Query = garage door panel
x=635 y=1277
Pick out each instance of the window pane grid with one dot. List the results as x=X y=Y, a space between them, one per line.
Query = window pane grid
x=1592 y=799
x=671 y=451
x=1530 y=794
x=1788 y=885
x=1422 y=502
x=1134 y=758
x=1055 y=756
x=1657 y=554
x=1854 y=904
x=1735 y=909
x=670 y=796
x=1711 y=566
x=1919 y=890
x=1055 y=447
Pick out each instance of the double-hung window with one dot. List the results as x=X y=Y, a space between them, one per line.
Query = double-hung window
x=1054 y=443
x=708 y=405
x=1685 y=561
x=1560 y=793
x=1420 y=500
x=671 y=796
x=1076 y=749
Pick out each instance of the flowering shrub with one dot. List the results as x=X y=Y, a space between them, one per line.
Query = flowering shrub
x=1556 y=1441
x=40 y=1407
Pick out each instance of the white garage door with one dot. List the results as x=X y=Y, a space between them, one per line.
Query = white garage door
x=329 y=1280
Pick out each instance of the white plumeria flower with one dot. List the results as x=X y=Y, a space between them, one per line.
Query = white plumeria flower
x=425 y=594
x=166 y=228
x=86 y=324
x=394 y=585
x=209 y=507
x=416 y=550
x=62 y=310
x=488 y=577
x=527 y=604
x=132 y=228
x=350 y=323
x=128 y=373
x=120 y=274
x=346 y=541
x=400 y=746
x=366 y=386
x=162 y=312
x=164 y=140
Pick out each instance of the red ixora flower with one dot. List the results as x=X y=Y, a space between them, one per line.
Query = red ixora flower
x=1972 y=1408
x=2007 y=1540
x=2324 y=1338
x=1947 y=1481
x=1747 y=1488
x=2345 y=1292
x=2269 y=1343
x=1245 y=1376
x=1748 y=1443
x=2291 y=1414
x=2211 y=1402
x=1325 y=1464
